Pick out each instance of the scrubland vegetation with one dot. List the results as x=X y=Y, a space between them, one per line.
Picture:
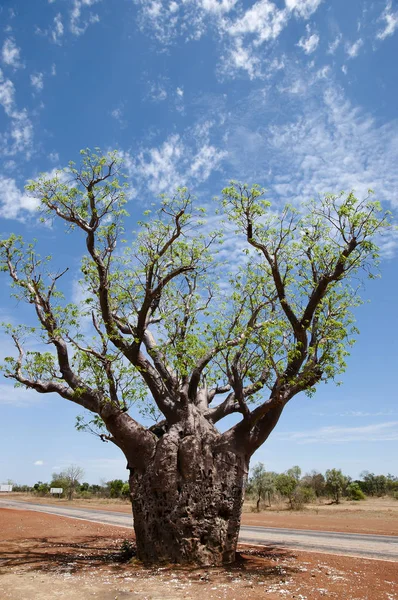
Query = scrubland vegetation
x=264 y=490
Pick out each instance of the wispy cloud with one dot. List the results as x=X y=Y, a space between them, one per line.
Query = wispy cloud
x=303 y=8
x=240 y=32
x=19 y=137
x=390 y=19
x=310 y=42
x=57 y=31
x=335 y=44
x=118 y=114
x=37 y=81
x=378 y=432
x=11 y=54
x=358 y=414
x=339 y=147
x=175 y=162
x=19 y=397
x=38 y=463
x=79 y=23
x=158 y=90
x=353 y=49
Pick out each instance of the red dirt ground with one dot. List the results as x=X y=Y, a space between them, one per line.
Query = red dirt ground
x=45 y=557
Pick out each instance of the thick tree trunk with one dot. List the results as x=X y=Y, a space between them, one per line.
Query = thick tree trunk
x=187 y=502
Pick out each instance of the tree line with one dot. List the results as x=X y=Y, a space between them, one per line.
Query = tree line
x=265 y=487
x=70 y=480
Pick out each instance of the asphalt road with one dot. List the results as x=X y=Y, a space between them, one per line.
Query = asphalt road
x=382 y=547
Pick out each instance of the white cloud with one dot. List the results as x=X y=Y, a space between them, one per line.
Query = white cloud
x=77 y=24
x=10 y=54
x=205 y=161
x=38 y=463
x=20 y=134
x=303 y=8
x=331 y=146
x=326 y=144
x=53 y=69
x=335 y=44
x=217 y=6
x=344 y=69
x=378 y=432
x=160 y=165
x=36 y=79
x=391 y=22
x=241 y=58
x=310 y=43
x=179 y=100
x=323 y=73
x=352 y=50
x=157 y=92
x=241 y=32
x=13 y=201
x=263 y=20
x=360 y=413
x=117 y=113
x=58 y=29
x=175 y=163
x=7 y=93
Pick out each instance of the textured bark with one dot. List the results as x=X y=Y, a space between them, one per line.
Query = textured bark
x=187 y=502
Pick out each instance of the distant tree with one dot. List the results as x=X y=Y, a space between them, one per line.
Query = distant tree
x=41 y=488
x=115 y=487
x=286 y=486
x=174 y=326
x=316 y=481
x=335 y=483
x=68 y=480
x=294 y=472
x=374 y=485
x=262 y=484
x=22 y=488
x=391 y=484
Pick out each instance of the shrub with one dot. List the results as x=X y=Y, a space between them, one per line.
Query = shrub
x=125 y=491
x=302 y=496
x=85 y=495
x=354 y=492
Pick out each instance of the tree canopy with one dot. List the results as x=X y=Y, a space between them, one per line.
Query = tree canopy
x=175 y=324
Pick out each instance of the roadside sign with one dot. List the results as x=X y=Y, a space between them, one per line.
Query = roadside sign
x=56 y=490
x=5 y=488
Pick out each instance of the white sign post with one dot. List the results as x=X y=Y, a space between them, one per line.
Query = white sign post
x=56 y=491
x=5 y=488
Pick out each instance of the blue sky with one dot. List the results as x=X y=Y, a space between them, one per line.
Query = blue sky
x=297 y=95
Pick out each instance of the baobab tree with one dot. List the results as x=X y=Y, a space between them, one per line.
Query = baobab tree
x=189 y=336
